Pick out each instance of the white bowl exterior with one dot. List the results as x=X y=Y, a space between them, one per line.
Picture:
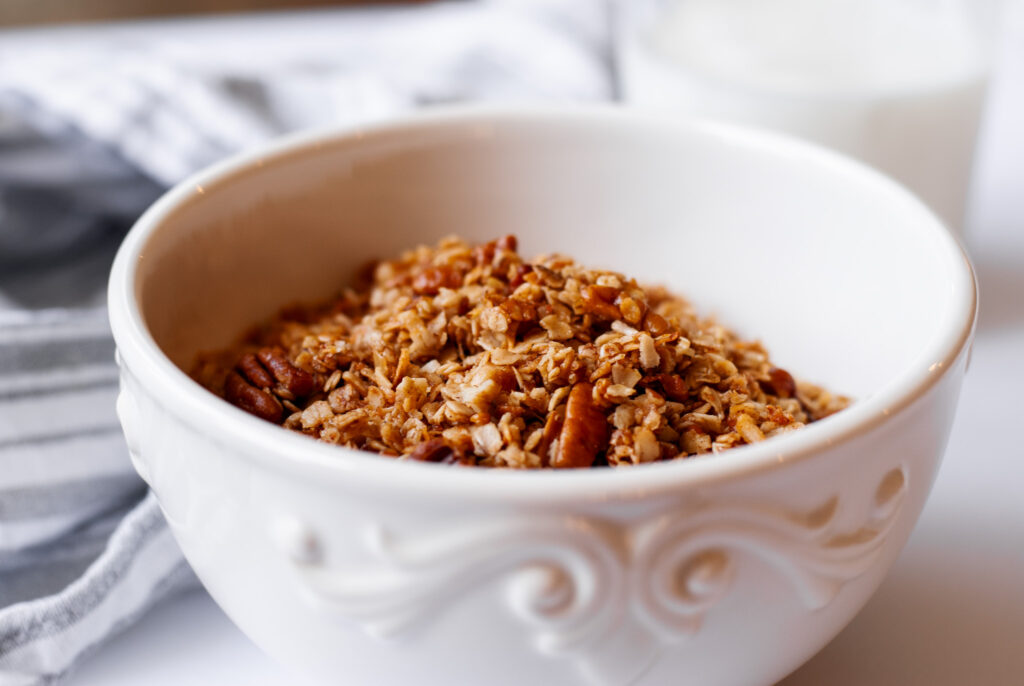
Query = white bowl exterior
x=722 y=578
x=314 y=569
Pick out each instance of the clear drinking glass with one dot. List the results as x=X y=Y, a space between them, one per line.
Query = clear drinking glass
x=897 y=83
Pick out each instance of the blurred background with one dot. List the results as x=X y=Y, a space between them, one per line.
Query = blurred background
x=104 y=104
x=34 y=12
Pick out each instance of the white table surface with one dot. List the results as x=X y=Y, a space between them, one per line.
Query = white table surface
x=950 y=613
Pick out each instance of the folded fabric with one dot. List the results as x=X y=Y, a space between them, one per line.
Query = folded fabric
x=94 y=122
x=40 y=640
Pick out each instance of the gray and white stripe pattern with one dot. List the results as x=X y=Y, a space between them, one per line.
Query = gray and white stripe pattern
x=41 y=640
x=62 y=458
x=83 y=550
x=94 y=122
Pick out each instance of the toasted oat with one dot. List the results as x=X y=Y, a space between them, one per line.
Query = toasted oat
x=465 y=354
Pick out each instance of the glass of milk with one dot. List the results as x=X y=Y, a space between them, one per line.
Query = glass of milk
x=896 y=83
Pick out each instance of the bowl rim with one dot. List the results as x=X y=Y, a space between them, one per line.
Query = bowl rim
x=288 y=452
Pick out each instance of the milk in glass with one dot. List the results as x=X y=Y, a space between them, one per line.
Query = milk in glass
x=897 y=83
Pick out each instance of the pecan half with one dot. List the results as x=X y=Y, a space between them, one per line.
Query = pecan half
x=436 y=450
x=780 y=383
x=552 y=428
x=585 y=431
x=296 y=381
x=252 y=370
x=253 y=400
x=432 y=280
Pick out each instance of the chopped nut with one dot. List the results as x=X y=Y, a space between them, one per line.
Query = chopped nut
x=597 y=300
x=780 y=383
x=435 y=450
x=655 y=324
x=675 y=387
x=433 y=279
x=632 y=311
x=517 y=275
x=508 y=242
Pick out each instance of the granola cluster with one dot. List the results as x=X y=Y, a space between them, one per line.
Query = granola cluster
x=471 y=355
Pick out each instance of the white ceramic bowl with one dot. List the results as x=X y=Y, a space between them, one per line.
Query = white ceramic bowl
x=731 y=569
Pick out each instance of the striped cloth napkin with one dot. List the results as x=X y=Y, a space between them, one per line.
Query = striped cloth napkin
x=94 y=124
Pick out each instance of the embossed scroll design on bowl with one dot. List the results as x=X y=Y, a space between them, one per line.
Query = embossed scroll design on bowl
x=608 y=594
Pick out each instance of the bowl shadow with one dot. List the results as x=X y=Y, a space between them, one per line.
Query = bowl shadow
x=943 y=617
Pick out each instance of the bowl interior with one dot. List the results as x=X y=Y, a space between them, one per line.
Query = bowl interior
x=846 y=278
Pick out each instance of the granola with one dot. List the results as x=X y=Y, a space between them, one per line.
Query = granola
x=471 y=355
